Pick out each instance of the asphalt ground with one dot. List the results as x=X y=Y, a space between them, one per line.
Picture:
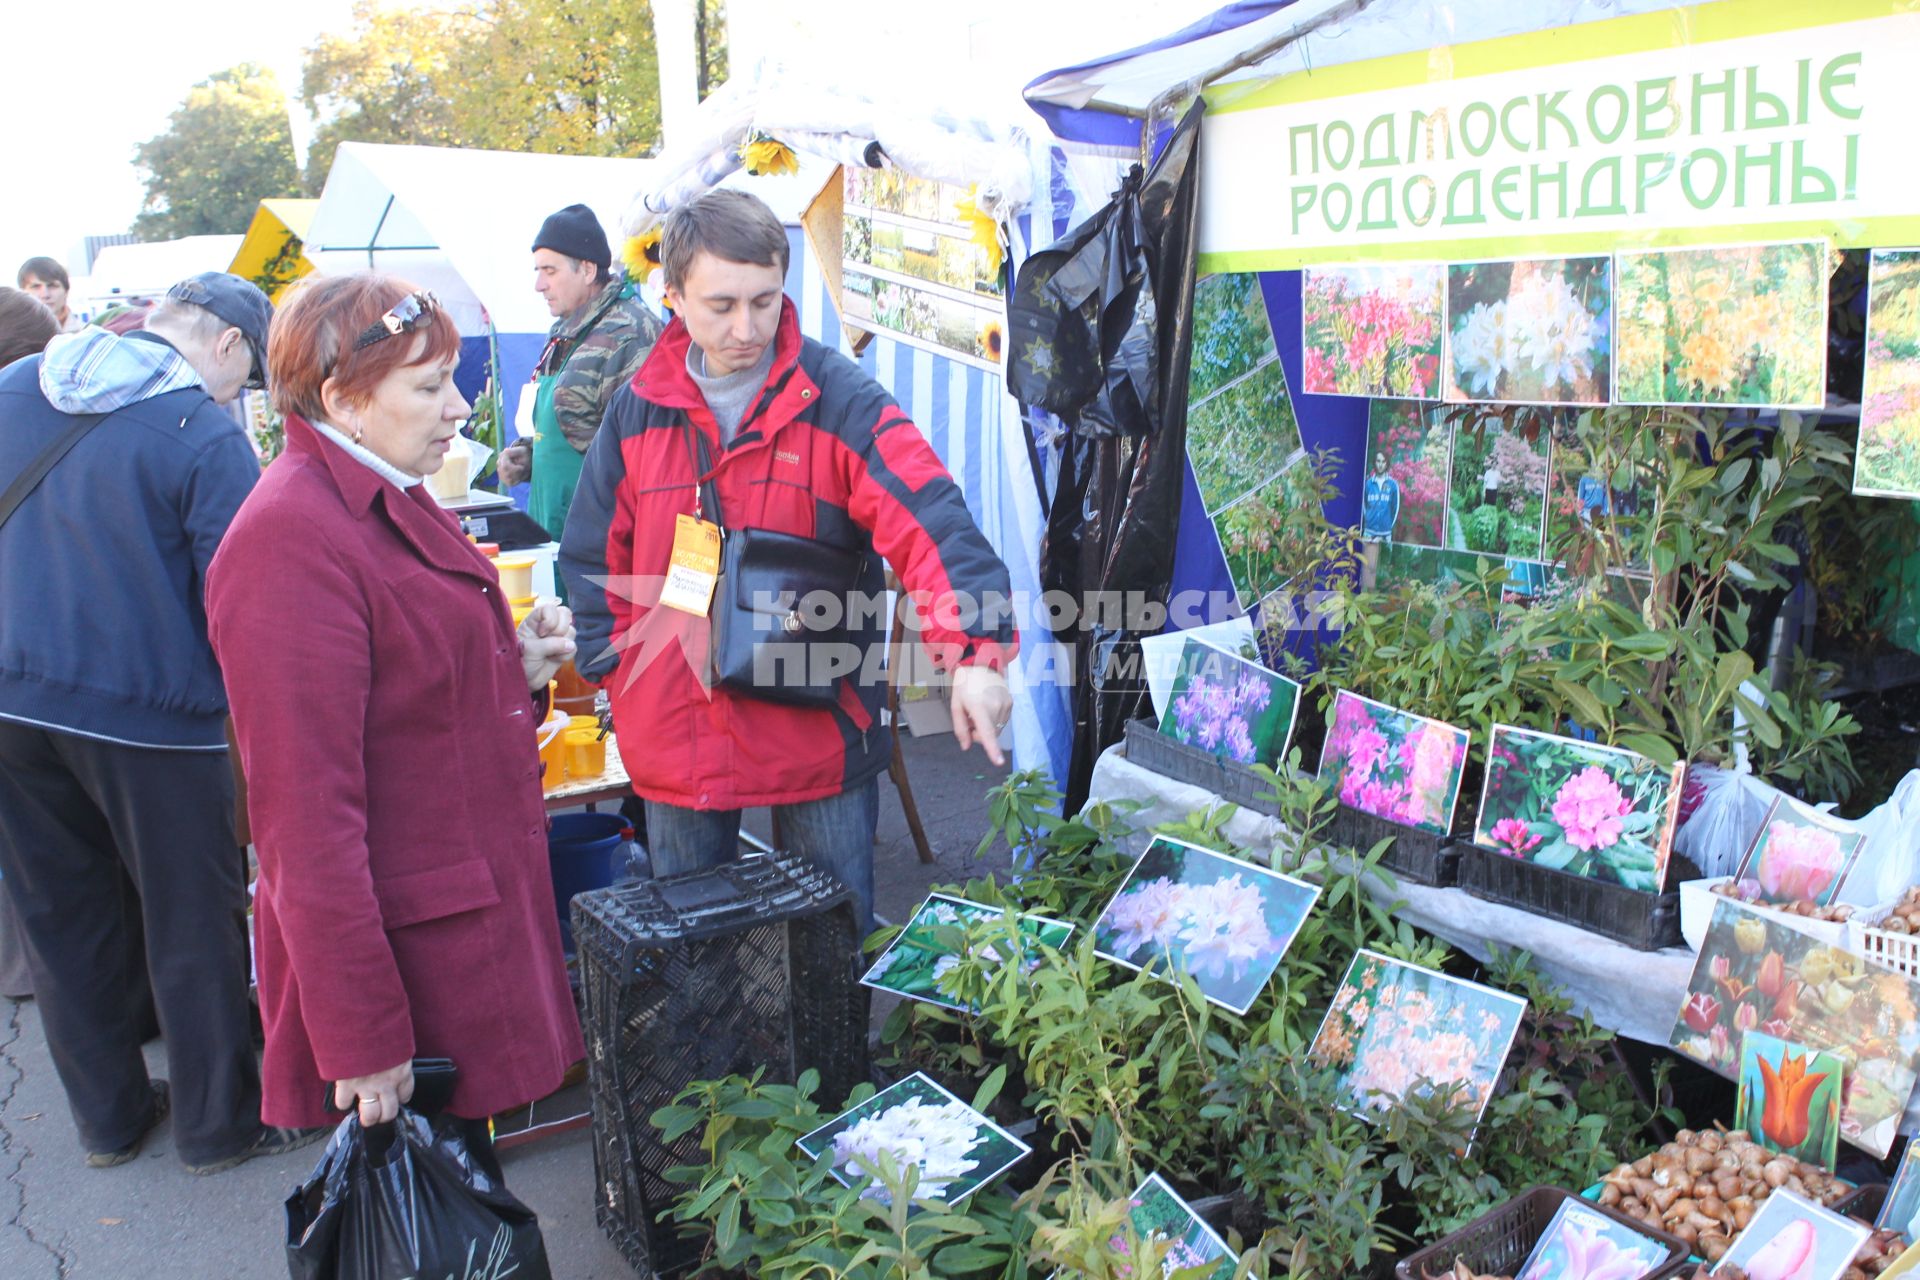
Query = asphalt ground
x=150 y=1218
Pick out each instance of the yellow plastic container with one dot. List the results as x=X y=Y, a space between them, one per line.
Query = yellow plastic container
x=553 y=751
x=520 y=612
x=586 y=752
x=584 y=722
x=516 y=577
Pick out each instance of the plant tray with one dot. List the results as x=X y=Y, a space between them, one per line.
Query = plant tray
x=1151 y=749
x=1899 y=952
x=1498 y=1242
x=1643 y=921
x=1416 y=855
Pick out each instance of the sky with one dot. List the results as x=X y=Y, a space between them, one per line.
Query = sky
x=88 y=82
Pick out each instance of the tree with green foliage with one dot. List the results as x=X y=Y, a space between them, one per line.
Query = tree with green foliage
x=226 y=146
x=389 y=80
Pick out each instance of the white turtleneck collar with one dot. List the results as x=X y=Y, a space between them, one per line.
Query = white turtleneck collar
x=367 y=457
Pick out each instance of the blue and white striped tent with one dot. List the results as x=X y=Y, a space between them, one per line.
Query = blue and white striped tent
x=976 y=428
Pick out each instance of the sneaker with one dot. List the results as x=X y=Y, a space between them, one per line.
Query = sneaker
x=270 y=1141
x=162 y=1103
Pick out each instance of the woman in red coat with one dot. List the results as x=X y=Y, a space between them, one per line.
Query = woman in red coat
x=384 y=707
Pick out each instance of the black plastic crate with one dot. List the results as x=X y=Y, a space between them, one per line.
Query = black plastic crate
x=1151 y=749
x=1419 y=856
x=1498 y=1242
x=1643 y=921
x=1864 y=1203
x=747 y=966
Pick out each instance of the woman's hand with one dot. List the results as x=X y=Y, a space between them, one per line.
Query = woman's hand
x=546 y=642
x=981 y=705
x=379 y=1094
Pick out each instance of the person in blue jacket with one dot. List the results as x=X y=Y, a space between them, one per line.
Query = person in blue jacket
x=114 y=780
x=1379 y=503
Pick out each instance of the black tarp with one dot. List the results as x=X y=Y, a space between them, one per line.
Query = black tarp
x=1099 y=335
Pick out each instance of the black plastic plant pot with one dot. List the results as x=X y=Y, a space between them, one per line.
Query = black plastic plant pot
x=1643 y=921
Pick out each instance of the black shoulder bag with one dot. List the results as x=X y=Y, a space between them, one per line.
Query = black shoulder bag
x=764 y=644
x=29 y=480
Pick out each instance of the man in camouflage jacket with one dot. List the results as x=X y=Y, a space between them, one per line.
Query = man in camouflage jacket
x=602 y=333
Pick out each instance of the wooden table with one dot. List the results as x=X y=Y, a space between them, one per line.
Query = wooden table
x=611 y=786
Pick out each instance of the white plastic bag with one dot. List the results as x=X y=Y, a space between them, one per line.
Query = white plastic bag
x=1726 y=820
x=1890 y=860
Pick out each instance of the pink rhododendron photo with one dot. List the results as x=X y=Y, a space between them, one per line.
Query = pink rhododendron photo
x=1373 y=330
x=1392 y=764
x=1579 y=807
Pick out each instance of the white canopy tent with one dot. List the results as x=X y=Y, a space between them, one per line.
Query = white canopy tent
x=126 y=271
x=460 y=222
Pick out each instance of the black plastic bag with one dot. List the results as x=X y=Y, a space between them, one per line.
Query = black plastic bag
x=419 y=1208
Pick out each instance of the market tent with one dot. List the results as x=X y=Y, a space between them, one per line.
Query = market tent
x=276 y=225
x=125 y=271
x=1102 y=101
x=459 y=222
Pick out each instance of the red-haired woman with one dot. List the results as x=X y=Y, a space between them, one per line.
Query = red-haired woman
x=384 y=706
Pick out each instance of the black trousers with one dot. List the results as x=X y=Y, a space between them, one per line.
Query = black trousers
x=91 y=832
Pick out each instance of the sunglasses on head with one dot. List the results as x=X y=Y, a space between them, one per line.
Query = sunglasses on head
x=411 y=312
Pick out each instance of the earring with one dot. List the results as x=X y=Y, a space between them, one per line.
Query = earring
x=358 y=432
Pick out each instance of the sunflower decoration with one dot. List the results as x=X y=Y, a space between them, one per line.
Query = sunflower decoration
x=993 y=340
x=985 y=227
x=766 y=156
x=641 y=254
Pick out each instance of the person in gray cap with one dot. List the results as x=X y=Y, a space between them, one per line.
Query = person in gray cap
x=602 y=333
x=119 y=473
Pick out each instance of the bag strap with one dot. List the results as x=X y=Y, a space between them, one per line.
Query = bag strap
x=703 y=480
x=29 y=480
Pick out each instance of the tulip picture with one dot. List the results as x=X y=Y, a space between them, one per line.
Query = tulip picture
x=1800 y=854
x=1791 y=1238
x=1579 y=807
x=1581 y=1244
x=1789 y=1098
x=1831 y=1030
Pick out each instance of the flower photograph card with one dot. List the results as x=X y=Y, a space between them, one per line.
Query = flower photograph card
x=1241 y=429
x=1373 y=330
x=934 y=941
x=1532 y=331
x=1799 y=855
x=1789 y=1098
x=1744 y=325
x=1393 y=764
x=1234 y=708
x=1404 y=497
x=1225 y=922
x=1580 y=1241
x=1396 y=1030
x=1792 y=1238
x=916 y=1122
x=1575 y=806
x=1757 y=972
x=1160 y=1215
x=1887 y=464
x=1497 y=500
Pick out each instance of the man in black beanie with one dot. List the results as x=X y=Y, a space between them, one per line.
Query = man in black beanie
x=602 y=333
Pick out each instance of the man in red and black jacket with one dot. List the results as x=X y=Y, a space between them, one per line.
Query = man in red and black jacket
x=786 y=435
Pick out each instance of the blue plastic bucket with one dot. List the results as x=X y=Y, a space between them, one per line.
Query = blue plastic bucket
x=583 y=852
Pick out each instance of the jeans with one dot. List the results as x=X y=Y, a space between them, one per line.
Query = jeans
x=835 y=834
